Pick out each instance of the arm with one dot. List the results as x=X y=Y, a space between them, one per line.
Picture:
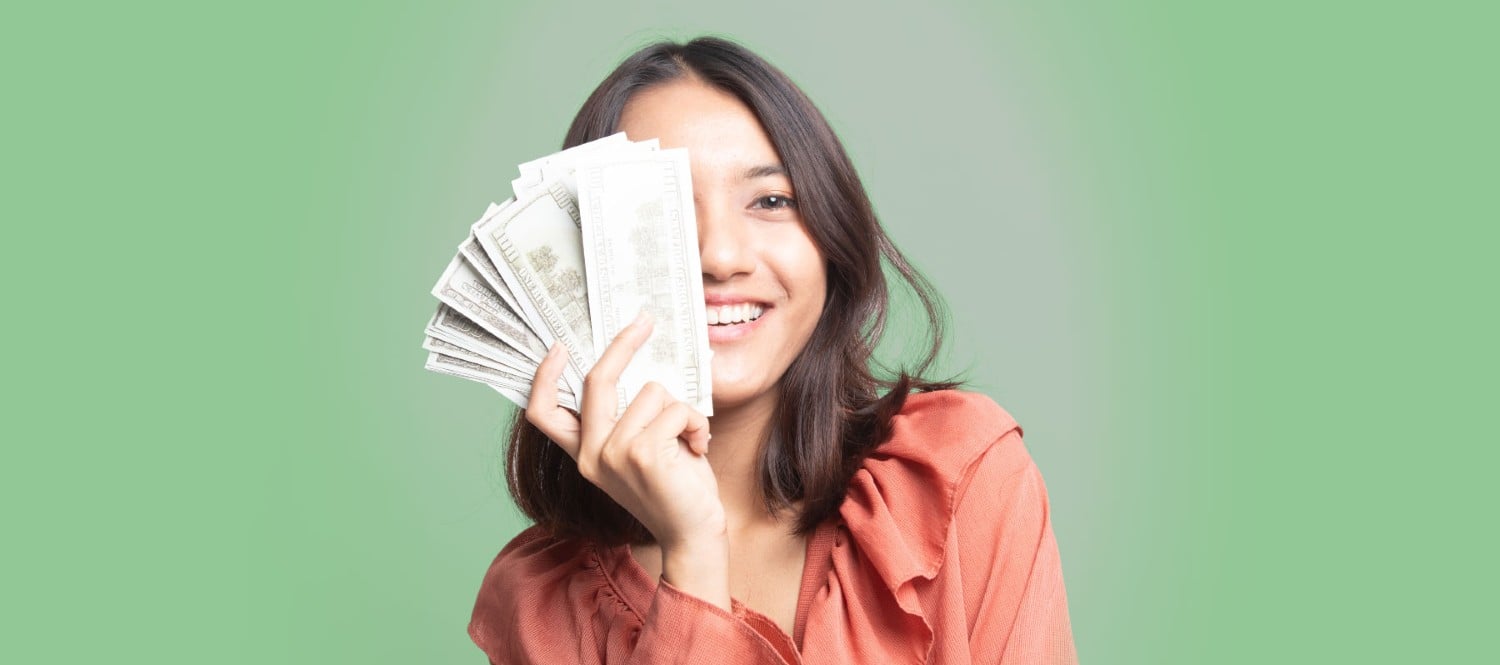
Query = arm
x=652 y=460
x=1012 y=574
x=682 y=628
x=544 y=600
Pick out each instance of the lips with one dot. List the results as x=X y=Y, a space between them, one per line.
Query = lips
x=733 y=319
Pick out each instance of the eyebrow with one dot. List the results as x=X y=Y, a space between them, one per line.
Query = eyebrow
x=764 y=171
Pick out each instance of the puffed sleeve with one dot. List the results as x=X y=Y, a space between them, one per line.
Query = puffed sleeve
x=545 y=600
x=681 y=628
x=1012 y=574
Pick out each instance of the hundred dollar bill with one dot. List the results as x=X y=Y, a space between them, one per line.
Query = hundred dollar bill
x=532 y=175
x=453 y=328
x=559 y=171
x=462 y=288
x=475 y=254
x=640 y=243
x=520 y=393
x=486 y=268
x=441 y=362
x=536 y=247
x=439 y=345
x=517 y=381
x=564 y=170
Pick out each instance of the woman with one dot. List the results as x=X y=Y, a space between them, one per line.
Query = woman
x=821 y=515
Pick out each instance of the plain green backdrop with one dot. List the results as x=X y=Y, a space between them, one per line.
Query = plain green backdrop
x=1231 y=267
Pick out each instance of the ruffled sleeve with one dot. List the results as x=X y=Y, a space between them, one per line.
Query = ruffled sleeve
x=546 y=600
x=988 y=591
x=523 y=611
x=1008 y=562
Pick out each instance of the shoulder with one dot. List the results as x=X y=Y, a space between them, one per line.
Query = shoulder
x=532 y=559
x=532 y=581
x=902 y=502
x=940 y=436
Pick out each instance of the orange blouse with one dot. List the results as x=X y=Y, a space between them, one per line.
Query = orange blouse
x=943 y=553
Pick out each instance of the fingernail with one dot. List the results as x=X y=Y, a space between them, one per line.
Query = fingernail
x=642 y=317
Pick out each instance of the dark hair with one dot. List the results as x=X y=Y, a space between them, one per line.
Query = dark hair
x=832 y=412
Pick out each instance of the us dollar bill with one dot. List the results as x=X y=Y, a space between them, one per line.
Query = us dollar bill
x=475 y=254
x=515 y=391
x=462 y=288
x=515 y=381
x=640 y=243
x=456 y=329
x=533 y=272
x=536 y=247
x=535 y=173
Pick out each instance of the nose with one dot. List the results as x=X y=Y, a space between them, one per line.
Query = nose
x=724 y=246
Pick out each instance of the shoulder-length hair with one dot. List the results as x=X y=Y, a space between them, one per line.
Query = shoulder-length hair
x=833 y=409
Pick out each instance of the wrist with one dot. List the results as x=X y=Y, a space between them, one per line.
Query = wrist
x=699 y=567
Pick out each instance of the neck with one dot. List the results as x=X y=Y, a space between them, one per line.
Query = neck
x=739 y=432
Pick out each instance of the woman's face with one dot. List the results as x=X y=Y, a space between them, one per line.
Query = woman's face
x=763 y=279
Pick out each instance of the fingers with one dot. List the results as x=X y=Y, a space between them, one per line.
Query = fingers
x=596 y=437
x=694 y=429
x=646 y=406
x=656 y=415
x=542 y=410
x=598 y=399
x=678 y=420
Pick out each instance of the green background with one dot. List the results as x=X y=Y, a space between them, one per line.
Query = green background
x=1230 y=267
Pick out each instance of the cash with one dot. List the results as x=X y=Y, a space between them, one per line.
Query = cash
x=590 y=237
x=640 y=240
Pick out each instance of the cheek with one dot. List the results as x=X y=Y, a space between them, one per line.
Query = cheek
x=816 y=284
x=811 y=271
x=800 y=266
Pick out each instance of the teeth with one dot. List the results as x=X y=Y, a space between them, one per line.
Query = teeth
x=727 y=314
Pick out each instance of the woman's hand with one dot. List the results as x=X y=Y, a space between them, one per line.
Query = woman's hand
x=650 y=460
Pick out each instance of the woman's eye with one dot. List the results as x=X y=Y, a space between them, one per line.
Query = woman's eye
x=775 y=202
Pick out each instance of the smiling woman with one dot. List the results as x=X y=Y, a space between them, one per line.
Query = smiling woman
x=811 y=518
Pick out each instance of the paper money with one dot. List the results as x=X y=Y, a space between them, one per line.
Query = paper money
x=475 y=254
x=537 y=248
x=517 y=392
x=640 y=242
x=592 y=236
x=500 y=376
x=462 y=288
x=458 y=330
x=531 y=172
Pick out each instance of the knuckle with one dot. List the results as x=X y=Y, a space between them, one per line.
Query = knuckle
x=653 y=389
x=588 y=470
x=608 y=453
x=640 y=457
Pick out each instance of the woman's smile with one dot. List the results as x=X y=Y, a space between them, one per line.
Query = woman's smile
x=733 y=322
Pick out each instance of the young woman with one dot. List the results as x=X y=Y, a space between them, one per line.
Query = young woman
x=821 y=515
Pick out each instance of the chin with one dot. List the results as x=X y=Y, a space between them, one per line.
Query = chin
x=732 y=393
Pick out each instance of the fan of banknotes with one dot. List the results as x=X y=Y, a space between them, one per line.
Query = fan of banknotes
x=593 y=236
